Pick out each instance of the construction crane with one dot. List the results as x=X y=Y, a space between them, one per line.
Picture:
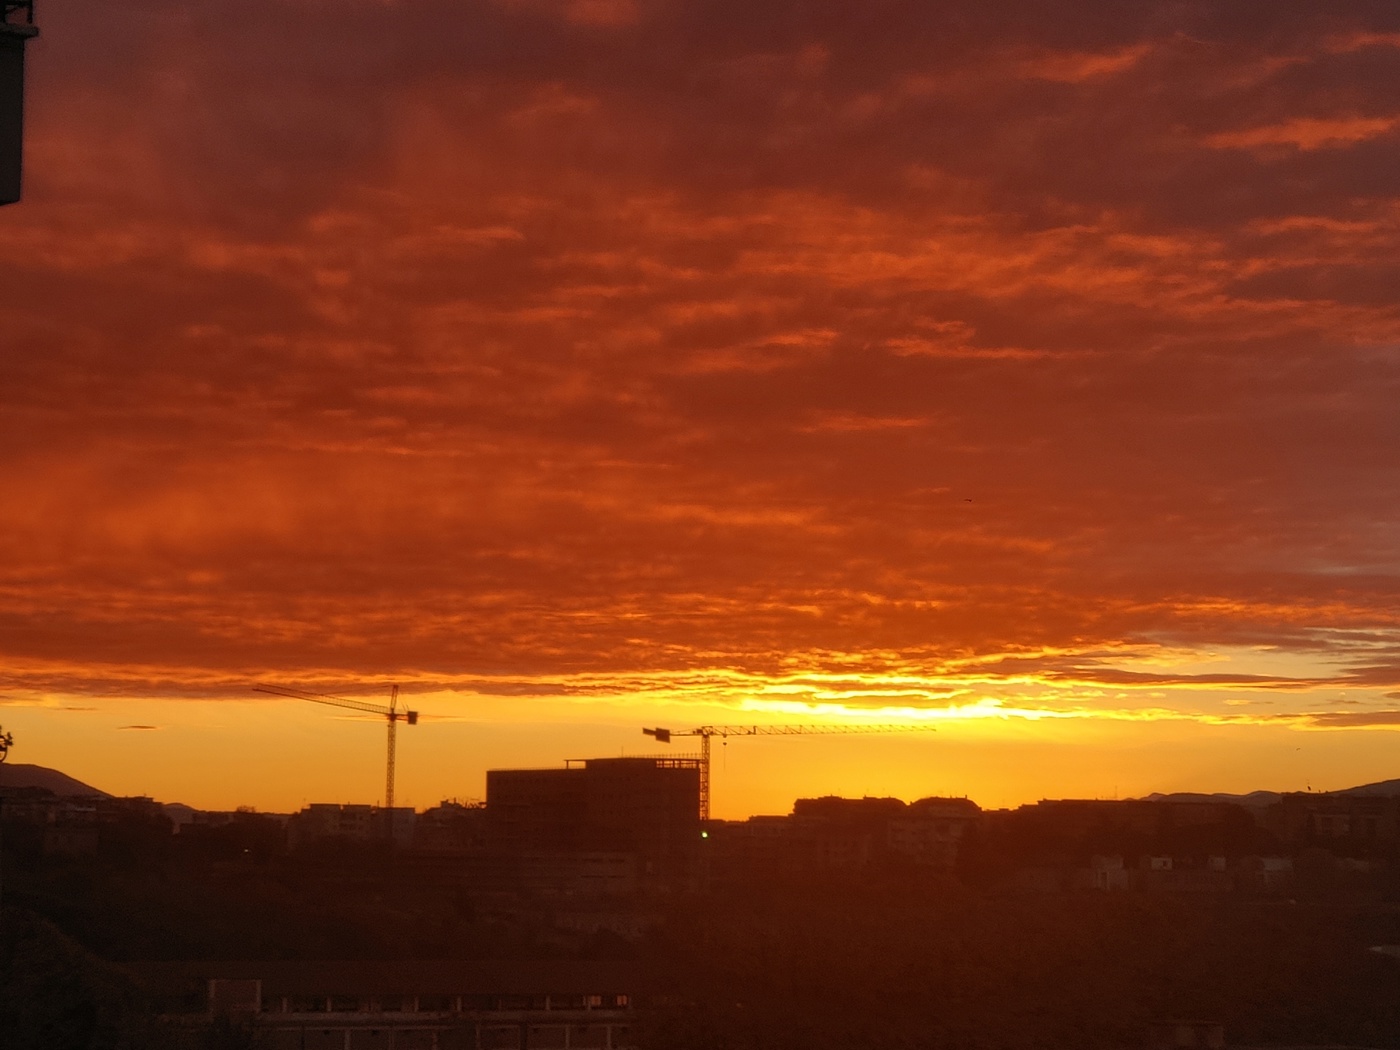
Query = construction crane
x=706 y=733
x=391 y=713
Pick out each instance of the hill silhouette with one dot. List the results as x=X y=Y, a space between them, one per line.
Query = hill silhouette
x=1381 y=788
x=1261 y=799
x=25 y=775
x=1253 y=800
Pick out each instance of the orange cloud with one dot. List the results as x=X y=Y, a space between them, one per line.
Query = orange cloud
x=1344 y=43
x=1307 y=133
x=1076 y=67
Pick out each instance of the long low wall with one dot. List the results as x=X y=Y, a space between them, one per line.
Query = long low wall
x=595 y=1030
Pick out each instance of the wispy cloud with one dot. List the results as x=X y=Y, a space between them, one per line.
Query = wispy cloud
x=1307 y=133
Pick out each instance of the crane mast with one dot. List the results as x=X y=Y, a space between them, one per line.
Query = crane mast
x=393 y=747
x=392 y=714
x=707 y=733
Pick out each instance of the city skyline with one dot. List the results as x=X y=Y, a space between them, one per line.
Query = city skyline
x=585 y=365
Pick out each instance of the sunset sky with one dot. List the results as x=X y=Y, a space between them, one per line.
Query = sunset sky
x=1029 y=370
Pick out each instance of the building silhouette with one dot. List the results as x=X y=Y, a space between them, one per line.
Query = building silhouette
x=648 y=807
x=844 y=836
x=405 y=1005
x=322 y=821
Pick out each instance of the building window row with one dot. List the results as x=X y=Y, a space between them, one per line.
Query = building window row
x=341 y=1004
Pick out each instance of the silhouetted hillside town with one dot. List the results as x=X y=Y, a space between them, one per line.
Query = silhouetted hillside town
x=620 y=826
x=597 y=860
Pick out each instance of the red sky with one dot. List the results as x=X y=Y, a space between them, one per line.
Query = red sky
x=1029 y=369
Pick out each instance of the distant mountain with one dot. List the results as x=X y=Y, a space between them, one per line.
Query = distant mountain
x=1261 y=799
x=1254 y=800
x=23 y=775
x=1381 y=789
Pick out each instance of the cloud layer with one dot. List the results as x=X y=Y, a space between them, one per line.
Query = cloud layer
x=1043 y=355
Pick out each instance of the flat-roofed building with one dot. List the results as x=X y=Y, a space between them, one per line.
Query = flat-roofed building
x=406 y=1005
x=321 y=821
x=645 y=806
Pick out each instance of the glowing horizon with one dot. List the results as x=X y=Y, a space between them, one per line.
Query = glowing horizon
x=579 y=366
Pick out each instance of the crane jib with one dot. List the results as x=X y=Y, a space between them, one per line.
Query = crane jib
x=391 y=714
